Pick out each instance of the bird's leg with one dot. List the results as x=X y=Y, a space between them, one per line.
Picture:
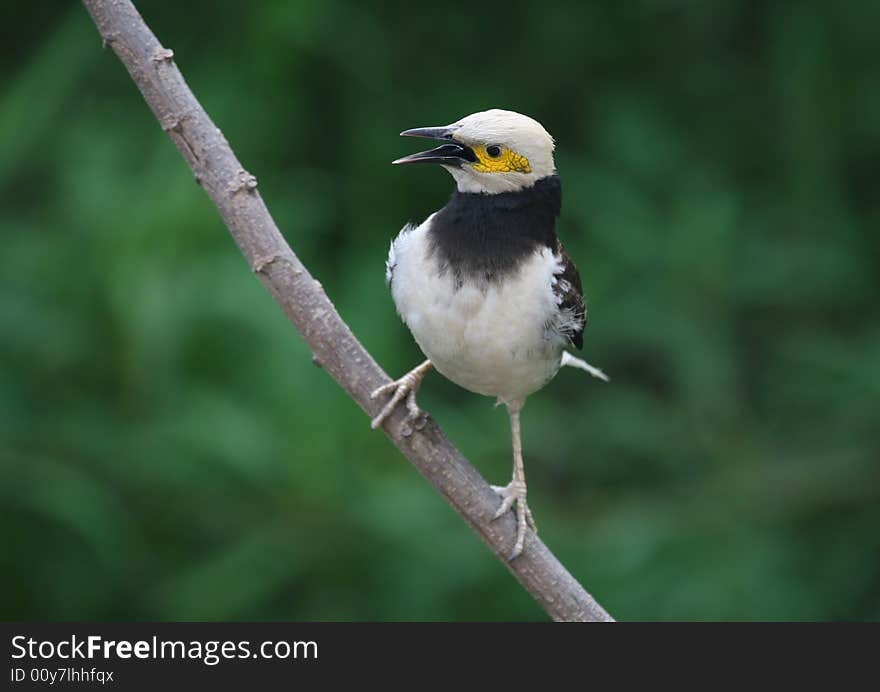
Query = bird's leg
x=406 y=386
x=570 y=360
x=515 y=491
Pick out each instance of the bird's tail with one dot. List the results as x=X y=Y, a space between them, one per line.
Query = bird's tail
x=570 y=360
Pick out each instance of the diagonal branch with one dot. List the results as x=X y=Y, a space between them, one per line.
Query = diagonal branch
x=234 y=192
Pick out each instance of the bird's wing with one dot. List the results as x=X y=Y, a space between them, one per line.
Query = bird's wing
x=570 y=298
x=391 y=262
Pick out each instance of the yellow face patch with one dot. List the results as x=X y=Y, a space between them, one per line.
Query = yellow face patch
x=506 y=161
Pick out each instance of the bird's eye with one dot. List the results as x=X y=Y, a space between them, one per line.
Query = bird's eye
x=493 y=151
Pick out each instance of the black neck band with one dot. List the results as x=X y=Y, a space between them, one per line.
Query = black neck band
x=483 y=237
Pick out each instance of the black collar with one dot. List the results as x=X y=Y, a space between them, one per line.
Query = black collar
x=483 y=237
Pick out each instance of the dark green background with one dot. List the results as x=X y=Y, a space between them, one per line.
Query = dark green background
x=167 y=450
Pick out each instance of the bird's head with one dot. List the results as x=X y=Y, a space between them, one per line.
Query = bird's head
x=490 y=152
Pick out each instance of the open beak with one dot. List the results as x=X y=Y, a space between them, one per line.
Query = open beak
x=451 y=153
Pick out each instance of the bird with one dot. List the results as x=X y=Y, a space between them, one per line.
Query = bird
x=484 y=285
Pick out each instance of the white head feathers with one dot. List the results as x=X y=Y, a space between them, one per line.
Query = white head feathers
x=520 y=137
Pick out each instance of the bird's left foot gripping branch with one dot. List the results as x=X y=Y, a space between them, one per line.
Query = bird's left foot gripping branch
x=484 y=284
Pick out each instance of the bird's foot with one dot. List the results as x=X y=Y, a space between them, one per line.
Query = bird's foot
x=515 y=493
x=406 y=386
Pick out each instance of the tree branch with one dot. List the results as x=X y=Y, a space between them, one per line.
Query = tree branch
x=234 y=192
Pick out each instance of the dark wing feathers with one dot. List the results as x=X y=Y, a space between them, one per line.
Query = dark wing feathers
x=570 y=297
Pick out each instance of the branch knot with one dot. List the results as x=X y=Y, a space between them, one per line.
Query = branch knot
x=161 y=54
x=261 y=263
x=243 y=181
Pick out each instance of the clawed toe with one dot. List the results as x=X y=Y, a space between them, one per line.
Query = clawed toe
x=401 y=389
x=406 y=386
x=506 y=502
x=513 y=496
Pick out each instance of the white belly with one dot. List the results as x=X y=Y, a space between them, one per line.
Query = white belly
x=491 y=338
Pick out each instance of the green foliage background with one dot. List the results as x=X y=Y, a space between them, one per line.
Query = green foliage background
x=167 y=450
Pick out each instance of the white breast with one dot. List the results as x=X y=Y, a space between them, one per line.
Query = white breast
x=491 y=338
